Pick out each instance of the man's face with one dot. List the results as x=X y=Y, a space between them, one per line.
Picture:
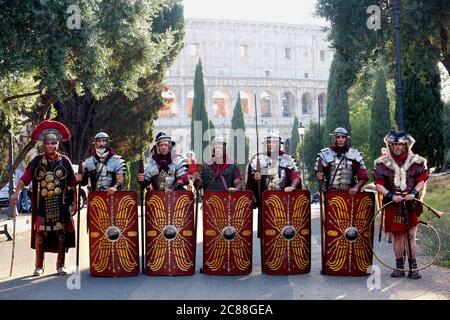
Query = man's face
x=101 y=143
x=398 y=148
x=340 y=141
x=272 y=146
x=164 y=147
x=218 y=151
x=50 y=147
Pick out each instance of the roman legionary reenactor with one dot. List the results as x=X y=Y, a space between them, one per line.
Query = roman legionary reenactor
x=343 y=166
x=347 y=223
x=219 y=172
x=399 y=176
x=226 y=210
x=279 y=170
x=166 y=170
x=104 y=168
x=54 y=193
x=283 y=215
x=169 y=218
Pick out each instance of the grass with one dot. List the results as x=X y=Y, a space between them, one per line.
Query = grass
x=437 y=195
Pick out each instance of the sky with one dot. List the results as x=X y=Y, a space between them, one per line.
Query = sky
x=288 y=11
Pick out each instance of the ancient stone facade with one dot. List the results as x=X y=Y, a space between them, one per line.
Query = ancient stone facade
x=285 y=66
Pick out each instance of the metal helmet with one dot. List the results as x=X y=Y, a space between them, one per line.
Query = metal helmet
x=274 y=137
x=101 y=135
x=218 y=140
x=340 y=132
x=161 y=136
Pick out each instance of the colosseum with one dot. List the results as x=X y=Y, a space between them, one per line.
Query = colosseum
x=285 y=67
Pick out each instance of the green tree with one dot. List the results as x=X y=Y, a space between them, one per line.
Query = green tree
x=295 y=139
x=238 y=145
x=85 y=115
x=424 y=113
x=446 y=131
x=199 y=113
x=424 y=43
x=113 y=51
x=312 y=146
x=212 y=129
x=337 y=102
x=381 y=117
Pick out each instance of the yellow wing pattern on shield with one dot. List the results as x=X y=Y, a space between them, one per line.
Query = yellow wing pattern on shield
x=363 y=222
x=340 y=248
x=182 y=248
x=179 y=249
x=300 y=218
x=278 y=247
x=157 y=218
x=220 y=249
x=217 y=251
x=104 y=252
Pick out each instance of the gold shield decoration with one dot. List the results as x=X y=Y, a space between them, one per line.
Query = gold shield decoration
x=227 y=232
x=170 y=233
x=349 y=233
x=286 y=240
x=113 y=234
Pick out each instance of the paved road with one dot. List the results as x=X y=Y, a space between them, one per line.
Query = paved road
x=435 y=283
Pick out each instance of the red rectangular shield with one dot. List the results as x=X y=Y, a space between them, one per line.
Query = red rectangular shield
x=348 y=233
x=170 y=233
x=227 y=232
x=113 y=234
x=286 y=240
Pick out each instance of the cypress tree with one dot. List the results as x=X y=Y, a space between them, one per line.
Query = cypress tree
x=337 y=103
x=212 y=130
x=295 y=139
x=424 y=113
x=312 y=145
x=235 y=147
x=199 y=112
x=381 y=118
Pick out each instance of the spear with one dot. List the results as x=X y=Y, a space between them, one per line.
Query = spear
x=320 y=169
x=80 y=171
x=141 y=171
x=14 y=241
x=258 y=169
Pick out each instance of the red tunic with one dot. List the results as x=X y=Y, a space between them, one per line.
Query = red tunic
x=384 y=174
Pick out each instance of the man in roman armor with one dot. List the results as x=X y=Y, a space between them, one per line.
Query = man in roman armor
x=166 y=170
x=105 y=169
x=219 y=172
x=399 y=176
x=279 y=170
x=54 y=191
x=343 y=166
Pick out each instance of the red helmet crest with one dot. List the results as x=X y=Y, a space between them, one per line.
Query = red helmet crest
x=49 y=129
